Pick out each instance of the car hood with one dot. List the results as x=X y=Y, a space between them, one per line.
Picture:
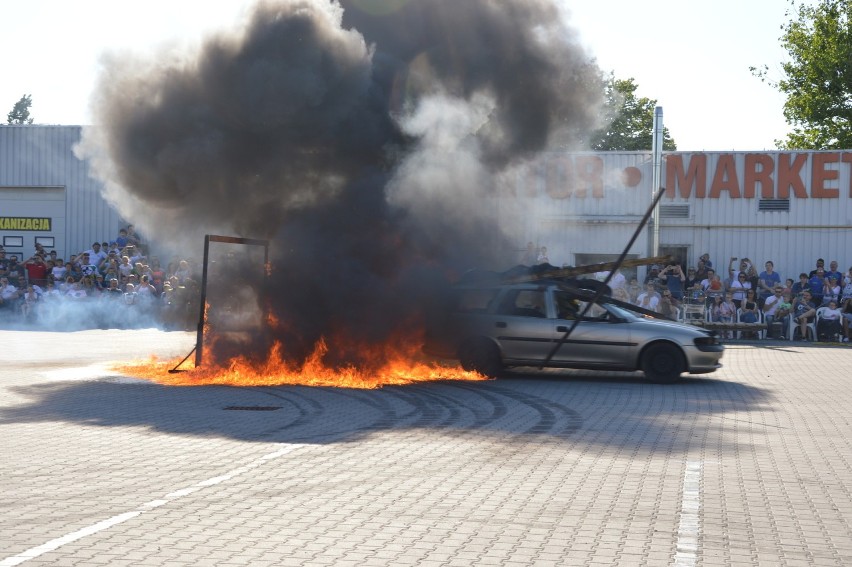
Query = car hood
x=661 y=325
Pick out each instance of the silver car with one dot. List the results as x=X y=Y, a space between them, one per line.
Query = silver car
x=491 y=327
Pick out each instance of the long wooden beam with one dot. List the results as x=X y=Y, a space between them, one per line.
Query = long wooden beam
x=573 y=271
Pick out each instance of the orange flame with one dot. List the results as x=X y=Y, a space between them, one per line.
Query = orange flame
x=398 y=370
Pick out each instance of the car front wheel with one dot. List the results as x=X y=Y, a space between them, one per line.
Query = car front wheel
x=481 y=356
x=662 y=363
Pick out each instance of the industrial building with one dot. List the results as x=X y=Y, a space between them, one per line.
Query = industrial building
x=790 y=207
x=47 y=195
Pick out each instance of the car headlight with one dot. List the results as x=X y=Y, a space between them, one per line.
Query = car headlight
x=708 y=342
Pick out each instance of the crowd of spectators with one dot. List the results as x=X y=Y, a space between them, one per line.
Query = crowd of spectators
x=115 y=283
x=739 y=292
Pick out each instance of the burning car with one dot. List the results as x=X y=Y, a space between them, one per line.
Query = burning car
x=488 y=327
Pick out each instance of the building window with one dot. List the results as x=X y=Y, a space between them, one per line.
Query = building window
x=46 y=241
x=13 y=242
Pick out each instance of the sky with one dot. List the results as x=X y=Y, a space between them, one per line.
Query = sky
x=692 y=57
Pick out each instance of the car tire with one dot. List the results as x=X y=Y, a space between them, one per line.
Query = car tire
x=662 y=363
x=481 y=356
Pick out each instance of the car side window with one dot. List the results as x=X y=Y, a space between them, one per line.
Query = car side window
x=567 y=307
x=475 y=300
x=523 y=303
x=570 y=308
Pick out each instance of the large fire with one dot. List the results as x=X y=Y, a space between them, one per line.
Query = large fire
x=398 y=368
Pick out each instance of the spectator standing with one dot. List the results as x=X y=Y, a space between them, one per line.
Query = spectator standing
x=121 y=240
x=58 y=270
x=542 y=256
x=674 y=278
x=146 y=290
x=705 y=283
x=133 y=238
x=833 y=271
x=649 y=299
x=113 y=291
x=183 y=272
x=86 y=267
x=15 y=271
x=8 y=294
x=800 y=286
x=36 y=270
x=846 y=292
x=831 y=291
x=67 y=285
x=820 y=265
x=653 y=278
x=158 y=275
x=96 y=254
x=691 y=279
x=633 y=290
x=816 y=284
x=4 y=264
x=767 y=281
x=28 y=302
x=125 y=268
x=701 y=271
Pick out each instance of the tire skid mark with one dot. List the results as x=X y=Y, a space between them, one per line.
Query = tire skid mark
x=443 y=406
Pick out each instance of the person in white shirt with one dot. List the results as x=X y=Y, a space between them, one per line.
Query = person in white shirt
x=8 y=293
x=828 y=325
x=770 y=306
x=649 y=299
x=96 y=254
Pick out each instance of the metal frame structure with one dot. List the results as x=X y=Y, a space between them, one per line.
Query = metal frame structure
x=199 y=341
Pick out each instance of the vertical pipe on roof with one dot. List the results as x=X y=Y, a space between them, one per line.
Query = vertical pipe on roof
x=657 y=152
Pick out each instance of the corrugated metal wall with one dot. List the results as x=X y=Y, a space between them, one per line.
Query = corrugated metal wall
x=42 y=156
x=573 y=203
x=723 y=223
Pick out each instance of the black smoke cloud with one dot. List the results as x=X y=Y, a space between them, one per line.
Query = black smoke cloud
x=364 y=138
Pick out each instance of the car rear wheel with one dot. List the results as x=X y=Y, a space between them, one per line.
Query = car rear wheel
x=662 y=363
x=481 y=356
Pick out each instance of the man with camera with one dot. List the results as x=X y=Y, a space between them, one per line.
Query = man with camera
x=674 y=278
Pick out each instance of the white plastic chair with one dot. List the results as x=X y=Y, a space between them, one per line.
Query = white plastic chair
x=792 y=326
x=761 y=334
x=819 y=315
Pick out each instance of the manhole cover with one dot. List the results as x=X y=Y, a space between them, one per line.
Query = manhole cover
x=253 y=408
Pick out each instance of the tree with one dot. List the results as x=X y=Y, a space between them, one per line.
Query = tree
x=817 y=79
x=629 y=119
x=20 y=114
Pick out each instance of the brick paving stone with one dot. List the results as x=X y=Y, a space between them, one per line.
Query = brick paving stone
x=432 y=474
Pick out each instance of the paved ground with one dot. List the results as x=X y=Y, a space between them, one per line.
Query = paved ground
x=748 y=466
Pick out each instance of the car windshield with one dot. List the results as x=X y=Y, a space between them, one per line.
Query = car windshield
x=621 y=312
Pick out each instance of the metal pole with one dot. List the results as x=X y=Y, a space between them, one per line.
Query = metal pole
x=600 y=291
x=657 y=151
x=199 y=339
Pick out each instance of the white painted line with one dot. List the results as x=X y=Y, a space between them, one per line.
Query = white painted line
x=54 y=544
x=686 y=553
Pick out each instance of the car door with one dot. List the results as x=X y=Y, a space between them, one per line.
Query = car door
x=599 y=340
x=521 y=326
